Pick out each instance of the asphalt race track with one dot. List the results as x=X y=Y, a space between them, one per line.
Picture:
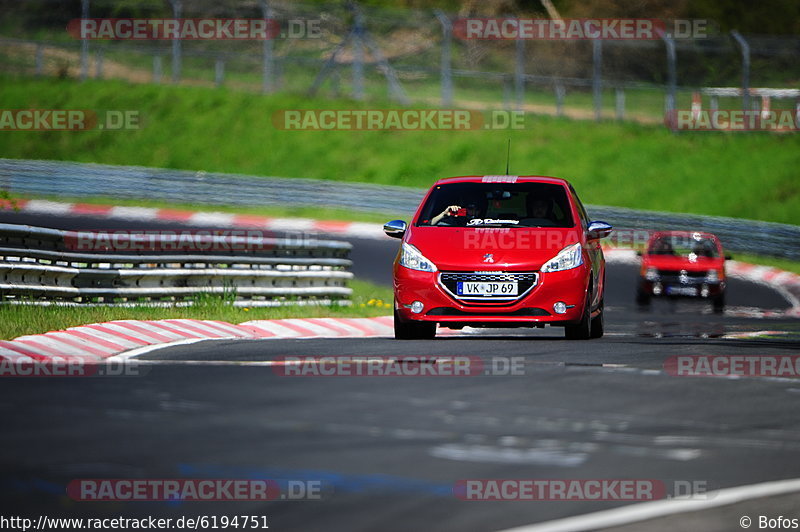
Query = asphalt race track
x=388 y=451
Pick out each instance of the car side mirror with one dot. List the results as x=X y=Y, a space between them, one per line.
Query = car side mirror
x=598 y=229
x=395 y=228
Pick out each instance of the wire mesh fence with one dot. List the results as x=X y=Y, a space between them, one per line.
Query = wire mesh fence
x=404 y=55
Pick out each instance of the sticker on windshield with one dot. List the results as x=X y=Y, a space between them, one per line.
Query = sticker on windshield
x=488 y=221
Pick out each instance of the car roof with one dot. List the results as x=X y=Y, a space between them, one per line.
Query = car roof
x=502 y=179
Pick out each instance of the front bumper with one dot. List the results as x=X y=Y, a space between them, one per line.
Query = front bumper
x=695 y=288
x=534 y=308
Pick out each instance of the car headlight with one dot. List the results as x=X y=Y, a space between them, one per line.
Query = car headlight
x=712 y=276
x=652 y=274
x=411 y=258
x=568 y=258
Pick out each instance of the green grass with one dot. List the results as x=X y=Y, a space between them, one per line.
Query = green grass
x=271 y=211
x=781 y=264
x=17 y=320
x=623 y=164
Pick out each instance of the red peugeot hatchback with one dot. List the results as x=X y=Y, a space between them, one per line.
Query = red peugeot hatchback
x=499 y=251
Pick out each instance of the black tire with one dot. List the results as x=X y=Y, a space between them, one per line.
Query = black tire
x=583 y=329
x=597 y=322
x=411 y=330
x=642 y=298
x=719 y=303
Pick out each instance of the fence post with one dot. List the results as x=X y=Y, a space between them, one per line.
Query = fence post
x=745 y=68
x=99 y=56
x=619 y=94
x=358 y=54
x=157 y=69
x=39 y=59
x=597 y=82
x=506 y=93
x=268 y=68
x=672 y=80
x=446 y=72
x=560 y=93
x=519 y=73
x=219 y=72
x=176 y=44
x=84 y=43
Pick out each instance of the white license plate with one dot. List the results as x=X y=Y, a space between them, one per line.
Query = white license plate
x=682 y=290
x=465 y=288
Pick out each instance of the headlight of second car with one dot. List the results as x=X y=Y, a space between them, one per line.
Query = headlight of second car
x=411 y=258
x=568 y=258
x=652 y=274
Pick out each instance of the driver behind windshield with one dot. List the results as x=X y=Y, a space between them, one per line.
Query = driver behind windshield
x=457 y=215
x=539 y=211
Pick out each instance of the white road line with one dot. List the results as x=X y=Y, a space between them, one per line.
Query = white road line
x=650 y=510
x=122 y=357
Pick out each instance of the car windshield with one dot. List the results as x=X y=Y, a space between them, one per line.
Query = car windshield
x=497 y=204
x=691 y=246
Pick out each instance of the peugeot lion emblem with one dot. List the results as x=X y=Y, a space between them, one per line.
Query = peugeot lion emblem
x=489 y=257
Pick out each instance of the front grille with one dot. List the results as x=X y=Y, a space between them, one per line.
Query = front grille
x=523 y=312
x=674 y=277
x=525 y=280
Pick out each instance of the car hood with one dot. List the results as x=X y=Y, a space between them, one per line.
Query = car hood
x=466 y=248
x=666 y=262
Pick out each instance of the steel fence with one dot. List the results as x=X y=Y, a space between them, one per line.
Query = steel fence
x=52 y=178
x=40 y=265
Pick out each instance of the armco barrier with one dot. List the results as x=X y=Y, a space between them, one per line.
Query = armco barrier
x=54 y=178
x=39 y=265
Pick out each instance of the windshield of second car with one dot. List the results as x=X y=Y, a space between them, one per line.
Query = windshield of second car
x=497 y=205
x=691 y=246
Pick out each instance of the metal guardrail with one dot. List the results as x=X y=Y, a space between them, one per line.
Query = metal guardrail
x=39 y=265
x=53 y=178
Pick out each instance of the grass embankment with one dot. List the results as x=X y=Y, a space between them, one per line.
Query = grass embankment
x=17 y=320
x=746 y=175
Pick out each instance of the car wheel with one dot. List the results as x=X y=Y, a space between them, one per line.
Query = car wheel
x=597 y=322
x=410 y=330
x=642 y=298
x=719 y=303
x=583 y=329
